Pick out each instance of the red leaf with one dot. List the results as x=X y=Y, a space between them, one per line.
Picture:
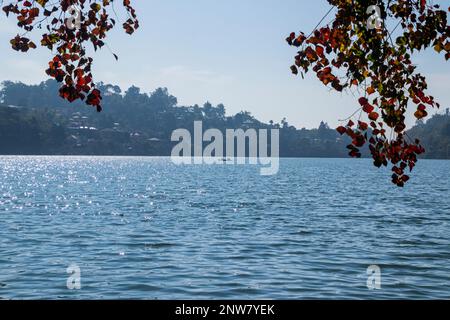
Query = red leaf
x=368 y=108
x=341 y=130
x=373 y=116
x=363 y=101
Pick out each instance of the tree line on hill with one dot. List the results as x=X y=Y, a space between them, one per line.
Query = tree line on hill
x=35 y=121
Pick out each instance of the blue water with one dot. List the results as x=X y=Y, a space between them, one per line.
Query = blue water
x=145 y=228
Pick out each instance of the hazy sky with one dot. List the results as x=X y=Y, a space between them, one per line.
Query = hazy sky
x=231 y=52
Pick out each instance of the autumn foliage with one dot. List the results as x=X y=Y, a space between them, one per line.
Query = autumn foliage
x=67 y=41
x=346 y=54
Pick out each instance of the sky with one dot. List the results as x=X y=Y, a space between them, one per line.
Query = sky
x=232 y=52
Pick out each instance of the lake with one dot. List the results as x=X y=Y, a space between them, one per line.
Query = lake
x=144 y=228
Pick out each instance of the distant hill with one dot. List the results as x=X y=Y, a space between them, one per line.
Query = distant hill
x=434 y=135
x=34 y=120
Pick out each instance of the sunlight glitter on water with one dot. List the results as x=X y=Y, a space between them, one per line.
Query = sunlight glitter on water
x=145 y=228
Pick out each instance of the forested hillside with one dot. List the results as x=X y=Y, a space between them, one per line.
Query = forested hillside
x=34 y=120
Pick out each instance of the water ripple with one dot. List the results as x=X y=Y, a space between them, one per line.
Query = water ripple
x=145 y=228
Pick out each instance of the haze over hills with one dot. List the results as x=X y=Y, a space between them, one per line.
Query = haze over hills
x=34 y=120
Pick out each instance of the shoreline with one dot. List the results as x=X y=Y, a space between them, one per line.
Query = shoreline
x=168 y=157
